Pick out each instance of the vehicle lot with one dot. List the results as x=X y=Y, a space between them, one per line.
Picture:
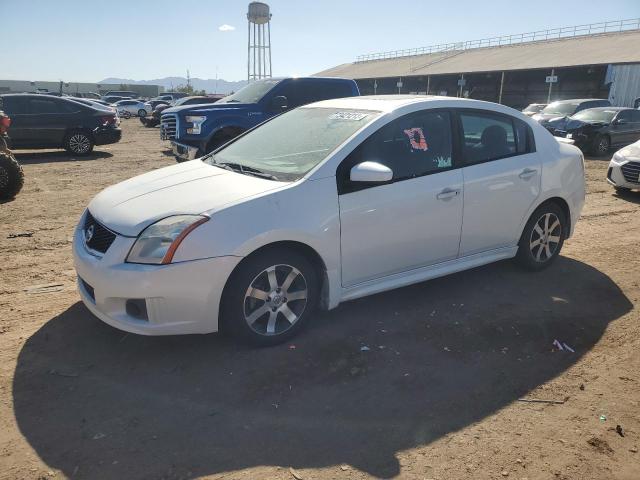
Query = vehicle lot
x=434 y=396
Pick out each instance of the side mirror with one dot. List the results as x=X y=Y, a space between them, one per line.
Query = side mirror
x=619 y=121
x=279 y=103
x=372 y=172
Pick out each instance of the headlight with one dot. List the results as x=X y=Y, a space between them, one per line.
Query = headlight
x=618 y=157
x=196 y=122
x=158 y=243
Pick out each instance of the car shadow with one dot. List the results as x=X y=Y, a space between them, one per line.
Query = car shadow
x=632 y=196
x=47 y=156
x=376 y=376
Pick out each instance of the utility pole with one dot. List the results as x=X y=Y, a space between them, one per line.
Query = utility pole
x=188 y=80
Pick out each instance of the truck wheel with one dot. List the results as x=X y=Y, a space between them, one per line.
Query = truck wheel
x=221 y=138
x=11 y=176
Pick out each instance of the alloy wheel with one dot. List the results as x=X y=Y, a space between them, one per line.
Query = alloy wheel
x=603 y=145
x=545 y=237
x=79 y=143
x=275 y=300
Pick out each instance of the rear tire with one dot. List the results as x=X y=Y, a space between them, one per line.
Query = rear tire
x=78 y=143
x=269 y=297
x=542 y=238
x=11 y=176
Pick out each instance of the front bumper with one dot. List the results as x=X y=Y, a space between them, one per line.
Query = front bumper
x=626 y=175
x=104 y=136
x=187 y=152
x=180 y=298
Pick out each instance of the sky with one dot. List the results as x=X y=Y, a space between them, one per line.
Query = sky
x=88 y=40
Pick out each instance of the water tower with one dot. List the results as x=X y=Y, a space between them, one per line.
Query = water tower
x=259 y=48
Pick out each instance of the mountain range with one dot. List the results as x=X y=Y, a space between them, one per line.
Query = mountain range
x=209 y=85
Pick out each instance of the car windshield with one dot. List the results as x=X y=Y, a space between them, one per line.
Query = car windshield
x=593 y=115
x=560 y=108
x=252 y=93
x=290 y=145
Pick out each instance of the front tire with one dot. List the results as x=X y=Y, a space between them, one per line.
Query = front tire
x=78 y=143
x=11 y=176
x=142 y=113
x=601 y=145
x=542 y=238
x=269 y=297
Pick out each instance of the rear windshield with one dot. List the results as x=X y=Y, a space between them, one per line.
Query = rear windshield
x=293 y=143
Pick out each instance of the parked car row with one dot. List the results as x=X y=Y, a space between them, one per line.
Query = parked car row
x=46 y=121
x=592 y=124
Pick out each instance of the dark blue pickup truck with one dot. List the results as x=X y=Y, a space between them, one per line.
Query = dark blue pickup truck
x=195 y=130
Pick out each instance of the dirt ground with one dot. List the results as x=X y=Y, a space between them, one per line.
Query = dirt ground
x=436 y=396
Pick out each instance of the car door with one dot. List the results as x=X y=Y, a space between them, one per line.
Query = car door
x=415 y=219
x=622 y=128
x=635 y=131
x=16 y=106
x=50 y=119
x=502 y=174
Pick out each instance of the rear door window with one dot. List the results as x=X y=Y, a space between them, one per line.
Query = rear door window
x=15 y=105
x=487 y=136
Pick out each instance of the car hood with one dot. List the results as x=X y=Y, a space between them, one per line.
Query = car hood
x=546 y=117
x=191 y=187
x=574 y=124
x=210 y=107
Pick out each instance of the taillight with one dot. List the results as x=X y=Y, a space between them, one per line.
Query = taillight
x=108 y=120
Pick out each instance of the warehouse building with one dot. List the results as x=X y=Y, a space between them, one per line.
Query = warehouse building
x=587 y=61
x=74 y=88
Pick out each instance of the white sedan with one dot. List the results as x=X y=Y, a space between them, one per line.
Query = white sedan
x=326 y=203
x=624 y=169
x=127 y=108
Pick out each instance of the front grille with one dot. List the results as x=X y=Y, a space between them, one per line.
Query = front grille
x=168 y=126
x=631 y=172
x=96 y=236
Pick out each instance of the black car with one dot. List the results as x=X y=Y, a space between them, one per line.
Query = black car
x=45 y=121
x=566 y=108
x=597 y=129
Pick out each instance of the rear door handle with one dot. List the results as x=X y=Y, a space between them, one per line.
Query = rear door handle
x=447 y=193
x=527 y=173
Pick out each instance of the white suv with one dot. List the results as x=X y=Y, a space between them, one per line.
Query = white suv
x=326 y=203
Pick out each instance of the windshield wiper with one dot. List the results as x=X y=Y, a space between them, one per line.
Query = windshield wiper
x=236 y=167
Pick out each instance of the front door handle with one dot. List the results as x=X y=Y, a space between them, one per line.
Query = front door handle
x=447 y=193
x=527 y=173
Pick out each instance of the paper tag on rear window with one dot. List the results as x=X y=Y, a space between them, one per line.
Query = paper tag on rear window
x=347 y=116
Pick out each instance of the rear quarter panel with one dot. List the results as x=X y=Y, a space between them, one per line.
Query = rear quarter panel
x=562 y=174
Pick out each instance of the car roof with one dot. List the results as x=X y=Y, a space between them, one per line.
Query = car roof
x=615 y=109
x=388 y=103
x=581 y=100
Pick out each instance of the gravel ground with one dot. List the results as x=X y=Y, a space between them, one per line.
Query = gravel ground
x=435 y=396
